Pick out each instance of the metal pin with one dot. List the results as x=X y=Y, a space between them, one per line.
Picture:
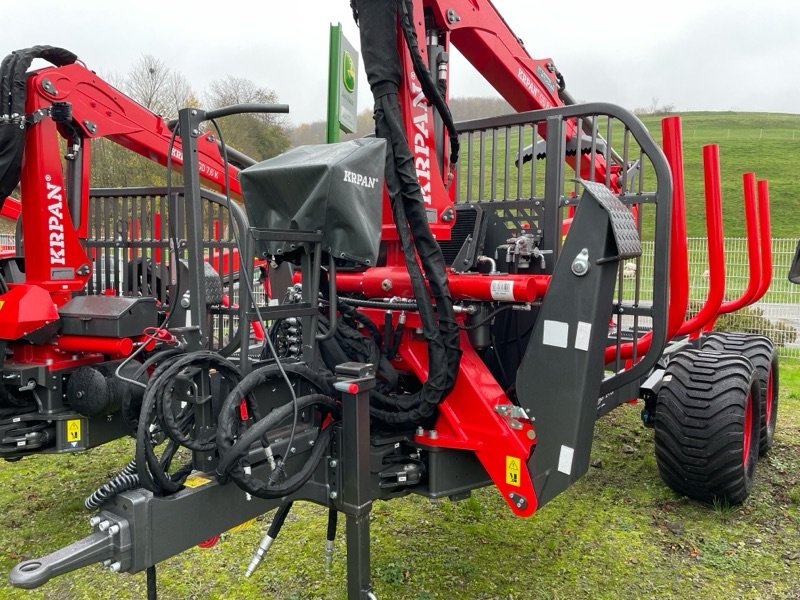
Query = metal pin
x=266 y=542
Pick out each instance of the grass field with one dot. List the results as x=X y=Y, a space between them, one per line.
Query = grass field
x=767 y=144
x=618 y=533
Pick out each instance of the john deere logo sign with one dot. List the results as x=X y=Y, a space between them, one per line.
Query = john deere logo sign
x=348 y=72
x=342 y=86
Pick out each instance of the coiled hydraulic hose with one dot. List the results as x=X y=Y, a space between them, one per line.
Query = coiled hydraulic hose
x=158 y=408
x=125 y=480
x=230 y=465
x=232 y=447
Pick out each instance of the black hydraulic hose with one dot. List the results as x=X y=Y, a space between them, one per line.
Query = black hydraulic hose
x=152 y=586
x=333 y=518
x=429 y=87
x=398 y=336
x=125 y=480
x=487 y=318
x=230 y=465
x=165 y=398
x=280 y=518
x=388 y=332
x=410 y=219
x=151 y=470
x=379 y=304
x=229 y=418
x=378 y=25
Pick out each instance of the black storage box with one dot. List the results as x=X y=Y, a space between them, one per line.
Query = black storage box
x=108 y=316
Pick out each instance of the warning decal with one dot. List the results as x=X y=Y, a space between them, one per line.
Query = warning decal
x=195 y=481
x=74 y=430
x=513 y=467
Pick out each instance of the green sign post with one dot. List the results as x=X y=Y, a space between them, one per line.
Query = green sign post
x=342 y=86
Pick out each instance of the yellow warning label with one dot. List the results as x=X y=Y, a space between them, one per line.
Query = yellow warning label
x=74 y=430
x=241 y=526
x=513 y=471
x=195 y=481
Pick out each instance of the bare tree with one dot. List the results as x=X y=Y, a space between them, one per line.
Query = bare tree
x=157 y=87
x=260 y=135
x=146 y=82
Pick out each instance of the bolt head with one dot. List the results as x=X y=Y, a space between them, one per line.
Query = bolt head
x=333 y=495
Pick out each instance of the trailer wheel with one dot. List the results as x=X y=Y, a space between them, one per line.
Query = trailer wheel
x=707 y=426
x=762 y=353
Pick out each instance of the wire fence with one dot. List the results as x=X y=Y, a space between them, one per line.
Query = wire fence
x=776 y=315
x=7 y=242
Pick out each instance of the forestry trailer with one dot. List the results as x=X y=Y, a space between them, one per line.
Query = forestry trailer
x=434 y=309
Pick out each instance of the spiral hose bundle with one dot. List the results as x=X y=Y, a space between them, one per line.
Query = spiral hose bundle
x=158 y=418
x=233 y=446
x=125 y=480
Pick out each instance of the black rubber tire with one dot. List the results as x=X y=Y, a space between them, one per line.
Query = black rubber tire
x=762 y=353
x=700 y=426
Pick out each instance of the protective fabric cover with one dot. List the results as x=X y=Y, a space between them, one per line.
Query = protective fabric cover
x=13 y=79
x=378 y=25
x=335 y=188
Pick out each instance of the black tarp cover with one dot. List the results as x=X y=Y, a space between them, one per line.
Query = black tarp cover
x=335 y=188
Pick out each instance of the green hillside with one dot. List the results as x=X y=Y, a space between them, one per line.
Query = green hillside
x=766 y=143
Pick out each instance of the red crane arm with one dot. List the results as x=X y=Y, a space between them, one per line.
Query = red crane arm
x=478 y=31
x=55 y=259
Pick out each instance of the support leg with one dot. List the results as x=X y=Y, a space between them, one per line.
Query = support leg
x=355 y=382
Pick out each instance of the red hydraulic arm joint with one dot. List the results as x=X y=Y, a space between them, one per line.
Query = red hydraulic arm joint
x=55 y=258
x=679 y=256
x=485 y=39
x=716 y=248
x=474 y=416
x=753 y=251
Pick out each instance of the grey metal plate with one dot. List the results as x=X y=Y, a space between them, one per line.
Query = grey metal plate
x=622 y=222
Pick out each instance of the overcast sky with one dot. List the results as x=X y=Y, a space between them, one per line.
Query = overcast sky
x=696 y=55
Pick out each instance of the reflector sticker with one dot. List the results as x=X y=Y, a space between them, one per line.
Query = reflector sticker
x=556 y=333
x=582 y=336
x=565 y=460
x=2 y=302
x=502 y=290
x=513 y=468
x=195 y=481
x=74 y=430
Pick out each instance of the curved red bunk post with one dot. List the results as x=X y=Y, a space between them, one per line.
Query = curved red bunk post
x=679 y=257
x=765 y=236
x=753 y=251
x=716 y=246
